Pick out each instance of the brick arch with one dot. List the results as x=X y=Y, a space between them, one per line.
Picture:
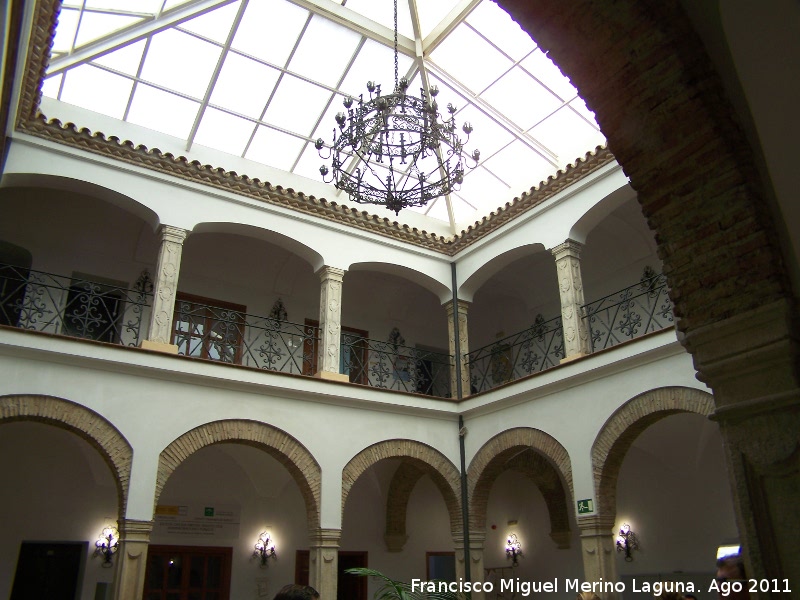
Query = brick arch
x=87 y=424
x=625 y=425
x=302 y=466
x=422 y=458
x=645 y=73
x=548 y=466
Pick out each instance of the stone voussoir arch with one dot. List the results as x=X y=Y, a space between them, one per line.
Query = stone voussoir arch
x=84 y=422
x=424 y=458
x=300 y=463
x=624 y=426
x=494 y=457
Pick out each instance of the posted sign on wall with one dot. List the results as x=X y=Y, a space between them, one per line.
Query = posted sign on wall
x=219 y=521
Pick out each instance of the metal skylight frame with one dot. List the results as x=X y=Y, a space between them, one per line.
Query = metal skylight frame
x=419 y=50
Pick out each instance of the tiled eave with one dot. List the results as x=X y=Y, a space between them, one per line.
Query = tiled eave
x=32 y=122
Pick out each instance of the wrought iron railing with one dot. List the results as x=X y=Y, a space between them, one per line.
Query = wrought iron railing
x=539 y=347
x=74 y=307
x=228 y=335
x=396 y=367
x=630 y=313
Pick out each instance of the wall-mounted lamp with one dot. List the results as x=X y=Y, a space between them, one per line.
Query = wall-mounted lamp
x=264 y=548
x=513 y=549
x=627 y=541
x=107 y=544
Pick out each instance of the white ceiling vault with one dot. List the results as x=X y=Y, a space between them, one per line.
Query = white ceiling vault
x=262 y=79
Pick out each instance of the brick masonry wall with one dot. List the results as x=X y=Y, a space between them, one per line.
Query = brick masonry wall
x=277 y=443
x=104 y=437
x=625 y=425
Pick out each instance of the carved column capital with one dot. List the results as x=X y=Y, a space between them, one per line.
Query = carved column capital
x=134 y=538
x=751 y=362
x=324 y=560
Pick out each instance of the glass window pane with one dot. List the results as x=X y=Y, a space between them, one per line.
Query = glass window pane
x=65 y=32
x=285 y=22
x=216 y=24
x=432 y=13
x=196 y=571
x=97 y=25
x=97 y=90
x=244 y=85
x=155 y=572
x=51 y=85
x=521 y=99
x=325 y=67
x=224 y=131
x=213 y=572
x=274 y=148
x=382 y=12
x=375 y=62
x=519 y=166
x=568 y=135
x=487 y=135
x=496 y=25
x=296 y=105
x=545 y=70
x=169 y=53
x=125 y=60
x=485 y=62
x=174 y=572
x=484 y=190
x=141 y=6
x=162 y=111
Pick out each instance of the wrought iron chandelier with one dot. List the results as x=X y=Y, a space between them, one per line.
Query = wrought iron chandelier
x=407 y=154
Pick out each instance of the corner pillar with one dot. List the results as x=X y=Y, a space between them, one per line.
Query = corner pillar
x=476 y=568
x=463 y=340
x=166 y=287
x=323 y=563
x=570 y=287
x=598 y=550
x=751 y=363
x=330 y=324
x=131 y=559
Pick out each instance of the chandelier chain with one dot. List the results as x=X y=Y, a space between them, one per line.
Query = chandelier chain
x=396 y=70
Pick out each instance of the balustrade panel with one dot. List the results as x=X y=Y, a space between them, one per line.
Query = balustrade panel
x=630 y=313
x=74 y=307
x=539 y=347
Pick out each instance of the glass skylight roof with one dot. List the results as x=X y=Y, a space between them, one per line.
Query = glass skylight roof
x=262 y=79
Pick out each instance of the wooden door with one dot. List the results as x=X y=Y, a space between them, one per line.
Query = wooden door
x=188 y=573
x=48 y=570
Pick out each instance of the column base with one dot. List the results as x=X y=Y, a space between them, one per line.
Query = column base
x=332 y=376
x=572 y=357
x=159 y=347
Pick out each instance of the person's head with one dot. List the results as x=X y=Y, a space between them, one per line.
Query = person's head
x=294 y=591
x=689 y=597
x=730 y=571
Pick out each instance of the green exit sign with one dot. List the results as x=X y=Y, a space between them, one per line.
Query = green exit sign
x=585 y=506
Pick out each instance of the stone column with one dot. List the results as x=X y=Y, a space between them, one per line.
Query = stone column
x=751 y=363
x=463 y=338
x=323 y=561
x=166 y=286
x=131 y=559
x=476 y=568
x=570 y=287
x=598 y=550
x=330 y=324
